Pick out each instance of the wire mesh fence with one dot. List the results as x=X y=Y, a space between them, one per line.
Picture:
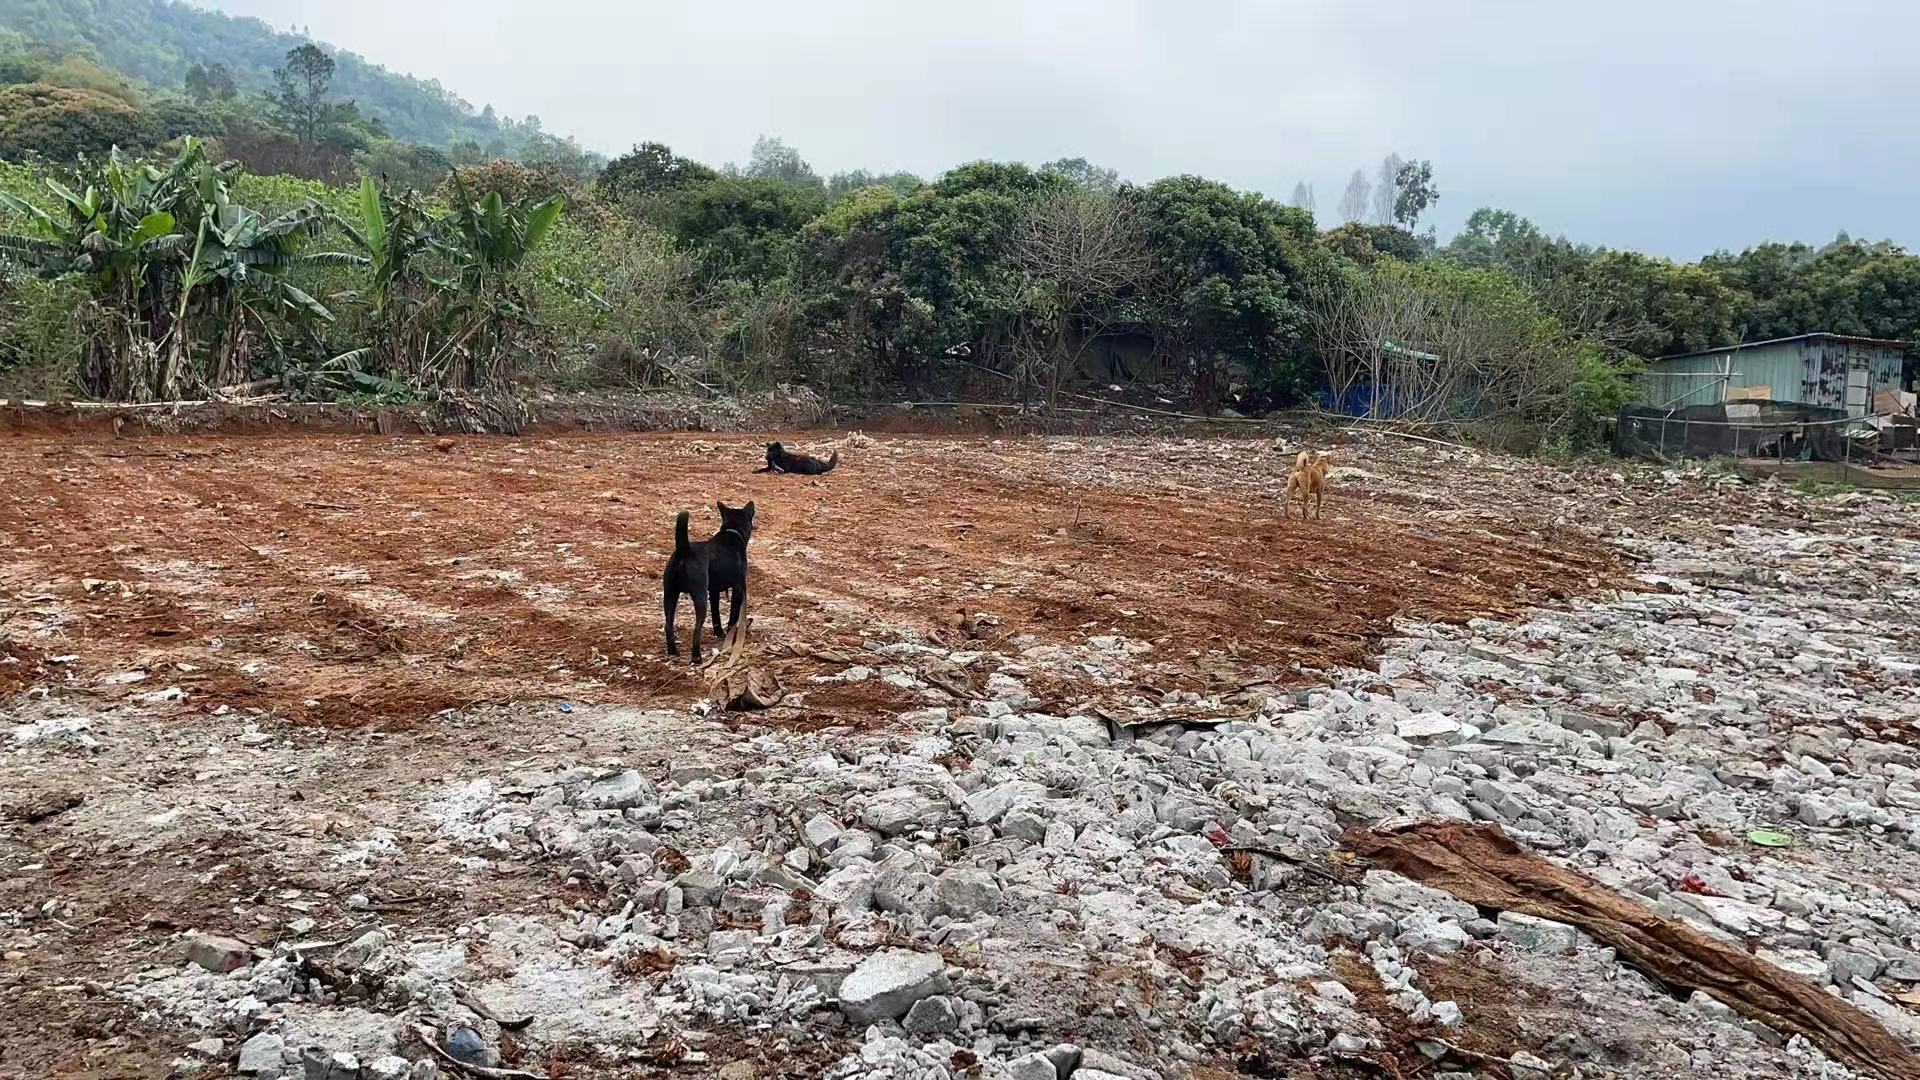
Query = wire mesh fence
x=1790 y=431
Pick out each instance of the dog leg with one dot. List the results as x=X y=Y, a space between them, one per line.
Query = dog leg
x=671 y=600
x=713 y=597
x=739 y=601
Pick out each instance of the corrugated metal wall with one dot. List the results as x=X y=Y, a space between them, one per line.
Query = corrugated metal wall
x=1811 y=370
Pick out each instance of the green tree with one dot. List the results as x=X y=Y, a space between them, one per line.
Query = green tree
x=1081 y=172
x=211 y=82
x=746 y=228
x=1647 y=306
x=773 y=159
x=22 y=61
x=1413 y=192
x=300 y=98
x=157 y=43
x=842 y=184
x=404 y=166
x=62 y=123
x=1846 y=287
x=82 y=73
x=1364 y=244
x=911 y=279
x=1504 y=239
x=856 y=289
x=648 y=171
x=564 y=156
x=1236 y=266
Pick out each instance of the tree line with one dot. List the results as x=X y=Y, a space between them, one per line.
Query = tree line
x=143 y=275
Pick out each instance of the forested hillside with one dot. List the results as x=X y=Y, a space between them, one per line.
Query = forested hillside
x=159 y=42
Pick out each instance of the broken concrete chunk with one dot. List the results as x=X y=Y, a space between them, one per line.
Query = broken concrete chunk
x=887 y=984
x=389 y=1067
x=908 y=891
x=360 y=952
x=1429 y=725
x=700 y=888
x=1845 y=964
x=1098 y=1063
x=219 y=954
x=821 y=830
x=901 y=809
x=262 y=1055
x=988 y=805
x=970 y=892
x=932 y=1016
x=1428 y=932
x=1189 y=813
x=1336 y=992
x=1384 y=889
x=616 y=791
x=1528 y=1067
x=1537 y=935
x=1034 y=1066
x=1023 y=824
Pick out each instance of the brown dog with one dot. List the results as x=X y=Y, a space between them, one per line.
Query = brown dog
x=1309 y=481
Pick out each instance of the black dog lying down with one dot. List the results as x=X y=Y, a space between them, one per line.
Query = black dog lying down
x=705 y=569
x=780 y=459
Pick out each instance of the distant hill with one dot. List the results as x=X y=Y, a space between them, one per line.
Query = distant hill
x=156 y=41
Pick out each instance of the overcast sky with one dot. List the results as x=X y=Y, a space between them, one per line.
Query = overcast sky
x=1671 y=126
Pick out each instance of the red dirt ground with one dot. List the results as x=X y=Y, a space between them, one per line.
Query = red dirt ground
x=356 y=581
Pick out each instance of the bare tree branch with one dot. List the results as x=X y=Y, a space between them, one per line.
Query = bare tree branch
x=1080 y=253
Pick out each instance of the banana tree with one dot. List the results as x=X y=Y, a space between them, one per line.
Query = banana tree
x=121 y=235
x=491 y=241
x=393 y=237
x=236 y=281
x=170 y=260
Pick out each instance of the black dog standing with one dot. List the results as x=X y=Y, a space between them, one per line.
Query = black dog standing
x=707 y=568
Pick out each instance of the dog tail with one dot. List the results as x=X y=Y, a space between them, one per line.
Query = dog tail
x=681 y=545
x=832 y=461
x=1305 y=459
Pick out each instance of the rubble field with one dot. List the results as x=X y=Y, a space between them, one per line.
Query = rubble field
x=356 y=758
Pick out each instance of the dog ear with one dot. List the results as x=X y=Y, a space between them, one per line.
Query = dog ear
x=749 y=507
x=720 y=506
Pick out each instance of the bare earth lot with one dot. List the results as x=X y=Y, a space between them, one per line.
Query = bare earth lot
x=394 y=715
x=357 y=582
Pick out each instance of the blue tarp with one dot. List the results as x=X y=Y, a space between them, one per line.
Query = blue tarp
x=1360 y=400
